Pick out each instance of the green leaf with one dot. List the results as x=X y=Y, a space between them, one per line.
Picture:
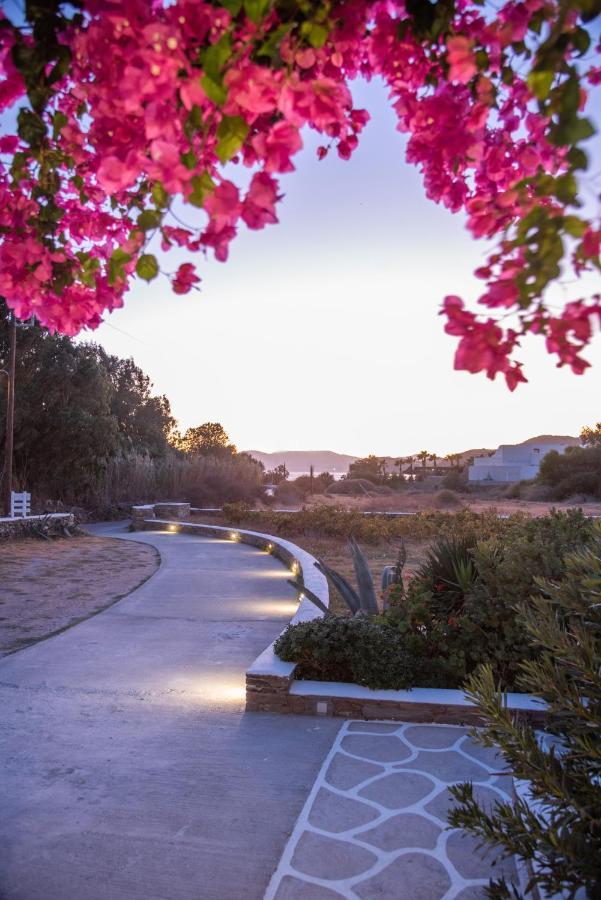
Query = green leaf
x=577 y=158
x=316 y=34
x=231 y=132
x=566 y=188
x=61 y=67
x=214 y=91
x=271 y=46
x=572 y=131
x=89 y=265
x=233 y=6
x=160 y=195
x=574 y=226
x=189 y=159
x=540 y=83
x=214 y=57
x=147 y=267
x=201 y=186
x=150 y=218
x=570 y=96
x=59 y=120
x=256 y=9
x=581 y=40
x=117 y=262
x=31 y=127
x=193 y=123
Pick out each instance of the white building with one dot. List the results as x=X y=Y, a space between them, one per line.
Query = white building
x=512 y=462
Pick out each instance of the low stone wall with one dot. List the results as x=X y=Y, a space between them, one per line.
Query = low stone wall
x=21 y=526
x=167 y=510
x=270 y=683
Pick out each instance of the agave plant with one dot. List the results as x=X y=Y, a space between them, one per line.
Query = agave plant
x=360 y=600
x=449 y=571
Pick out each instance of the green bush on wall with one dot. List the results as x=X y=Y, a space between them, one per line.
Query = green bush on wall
x=359 y=649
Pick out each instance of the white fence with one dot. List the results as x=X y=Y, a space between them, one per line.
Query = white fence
x=20 y=505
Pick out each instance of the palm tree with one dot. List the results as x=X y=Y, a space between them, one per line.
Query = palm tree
x=434 y=458
x=424 y=455
x=453 y=458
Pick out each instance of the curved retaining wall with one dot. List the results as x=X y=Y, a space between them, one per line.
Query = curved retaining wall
x=270 y=683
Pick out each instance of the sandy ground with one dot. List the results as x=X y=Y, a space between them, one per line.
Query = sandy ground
x=46 y=586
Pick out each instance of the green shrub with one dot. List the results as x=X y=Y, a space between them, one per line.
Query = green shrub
x=507 y=568
x=455 y=481
x=587 y=483
x=360 y=649
x=561 y=831
x=577 y=471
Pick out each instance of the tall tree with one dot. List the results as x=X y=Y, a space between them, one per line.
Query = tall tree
x=591 y=437
x=209 y=439
x=76 y=408
x=370 y=467
x=145 y=421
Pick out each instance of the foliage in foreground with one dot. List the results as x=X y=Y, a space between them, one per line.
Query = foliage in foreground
x=124 y=112
x=559 y=832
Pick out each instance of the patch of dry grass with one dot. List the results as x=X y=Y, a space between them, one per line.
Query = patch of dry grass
x=46 y=586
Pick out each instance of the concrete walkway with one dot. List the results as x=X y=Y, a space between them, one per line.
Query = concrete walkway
x=130 y=770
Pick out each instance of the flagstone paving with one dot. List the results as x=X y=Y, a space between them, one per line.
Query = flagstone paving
x=375 y=823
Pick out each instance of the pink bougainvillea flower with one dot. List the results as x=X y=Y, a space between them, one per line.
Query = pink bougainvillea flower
x=462 y=61
x=258 y=208
x=277 y=146
x=114 y=175
x=185 y=279
x=9 y=143
x=223 y=204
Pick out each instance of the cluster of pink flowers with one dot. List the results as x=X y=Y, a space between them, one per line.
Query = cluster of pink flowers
x=160 y=101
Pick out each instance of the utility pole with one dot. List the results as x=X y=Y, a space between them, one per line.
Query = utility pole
x=10 y=415
x=311 y=480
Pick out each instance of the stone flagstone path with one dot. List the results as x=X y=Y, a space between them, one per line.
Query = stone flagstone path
x=375 y=823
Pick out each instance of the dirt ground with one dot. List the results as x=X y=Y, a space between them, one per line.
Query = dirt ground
x=418 y=500
x=46 y=586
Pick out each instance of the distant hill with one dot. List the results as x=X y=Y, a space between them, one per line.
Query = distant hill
x=338 y=463
x=302 y=460
x=552 y=439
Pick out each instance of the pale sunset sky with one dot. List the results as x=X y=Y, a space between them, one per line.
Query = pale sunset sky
x=323 y=332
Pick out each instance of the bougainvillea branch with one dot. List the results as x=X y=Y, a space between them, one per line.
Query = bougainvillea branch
x=129 y=112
